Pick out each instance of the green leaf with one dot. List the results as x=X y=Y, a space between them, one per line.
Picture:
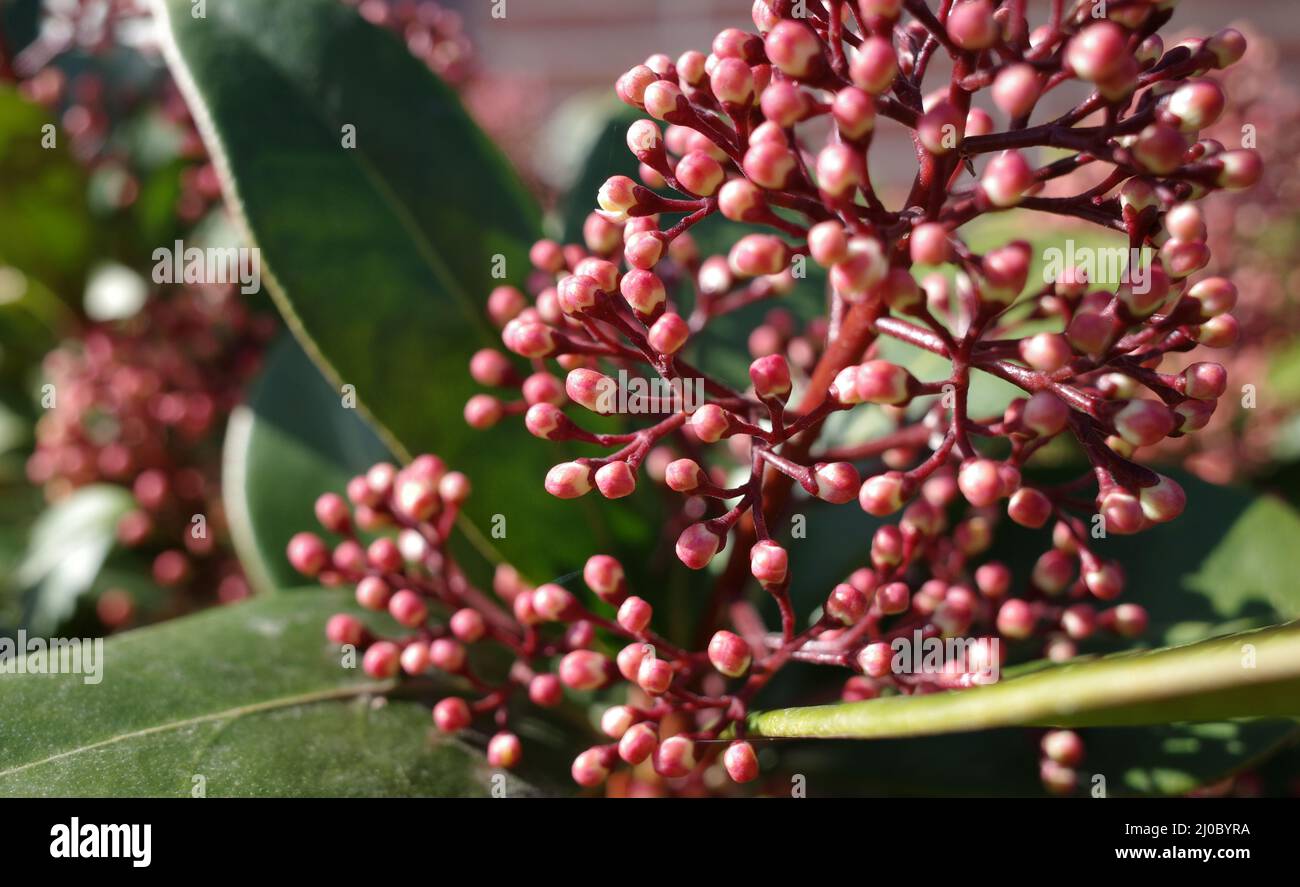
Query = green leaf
x=69 y=543
x=45 y=229
x=251 y=698
x=291 y=441
x=381 y=255
x=1250 y=674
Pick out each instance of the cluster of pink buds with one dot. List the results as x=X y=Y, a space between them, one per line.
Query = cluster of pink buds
x=141 y=403
x=774 y=129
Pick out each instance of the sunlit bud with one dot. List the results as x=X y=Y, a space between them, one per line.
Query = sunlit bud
x=980 y=482
x=1197 y=104
x=837 y=482
x=771 y=376
x=344 y=629
x=1129 y=620
x=631 y=86
x=696 y=546
x=1006 y=178
x=1029 y=507
x=855 y=113
x=634 y=615
x=794 y=48
x=1227 y=47
x=874 y=65
x=591 y=768
x=1015 y=619
x=1164 y=501
x=732 y=81
x=768 y=562
x=729 y=654
x=1064 y=747
x=846 y=604
x=617 y=196
x=1205 y=381
x=382 y=660
x=668 y=334
x=1053 y=571
x=568 y=480
x=928 y=244
x=1144 y=422
x=1045 y=413
x=1160 y=148
x=941 y=129
x=662 y=98
x=740 y=761
x=1098 y=51
x=584 y=670
x=308 y=553
x=1218 y=332
x=654 y=676
x=876 y=659
x=1016 y=90
x=884 y=494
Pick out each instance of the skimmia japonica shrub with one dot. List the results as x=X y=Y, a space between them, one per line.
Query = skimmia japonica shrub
x=773 y=130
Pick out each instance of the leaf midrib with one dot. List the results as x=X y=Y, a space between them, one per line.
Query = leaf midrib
x=332 y=694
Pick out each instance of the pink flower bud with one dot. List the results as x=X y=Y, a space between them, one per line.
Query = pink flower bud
x=604 y=576
x=771 y=376
x=1016 y=90
x=1218 y=332
x=307 y=553
x=1216 y=296
x=591 y=768
x=1015 y=619
x=408 y=608
x=980 y=482
x=1045 y=413
x=1046 y=352
x=941 y=129
x=381 y=660
x=1241 y=169
x=993 y=580
x=1004 y=271
x=634 y=615
x=333 y=513
x=699 y=174
x=662 y=99
x=654 y=676
x=482 y=411
x=531 y=340
x=837 y=482
x=505 y=751
x=740 y=200
x=1160 y=149
x=584 y=670
x=1053 y=571
x=884 y=494
x=568 y=480
x=684 y=475
x=616 y=480
x=631 y=86
x=505 y=302
x=551 y=602
x=373 y=593
x=1098 y=51
x=882 y=382
x=545 y=690
x=732 y=81
x=638 y=743
x=794 y=48
x=1205 y=381
x=876 y=660
x=643 y=290
x=769 y=164
x=710 y=423
x=1129 y=620
x=1029 y=507
x=729 y=654
x=887 y=547
x=1164 y=501
x=874 y=65
x=344 y=629
x=1090 y=332
x=894 y=598
x=1197 y=104
x=1006 y=178
x=696 y=546
x=768 y=562
x=1144 y=422
x=840 y=169
x=668 y=334
x=928 y=244
x=846 y=604
x=755 y=255
x=415 y=658
x=740 y=761
x=855 y=113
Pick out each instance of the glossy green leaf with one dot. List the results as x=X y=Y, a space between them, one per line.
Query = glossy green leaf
x=45 y=228
x=289 y=442
x=381 y=255
x=1250 y=674
x=69 y=543
x=247 y=700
